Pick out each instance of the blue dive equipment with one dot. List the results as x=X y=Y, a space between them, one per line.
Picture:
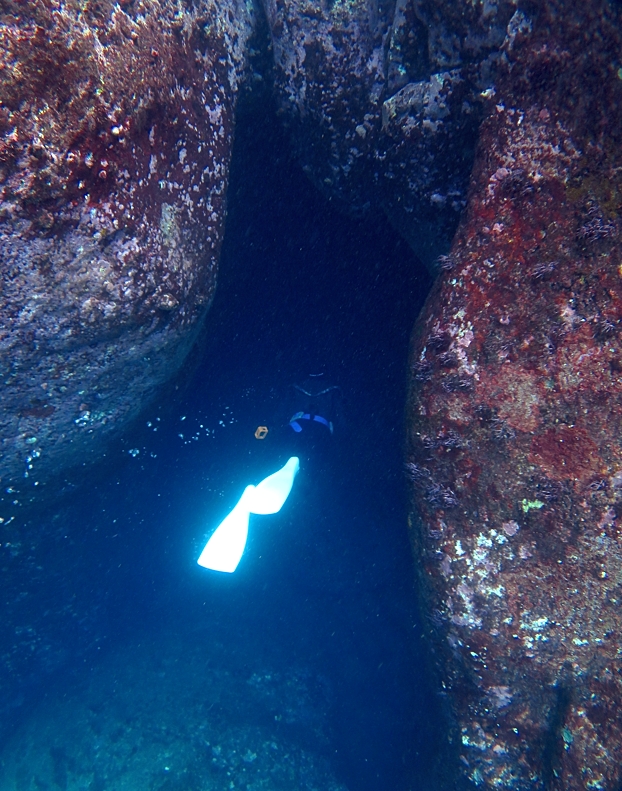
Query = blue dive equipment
x=226 y=545
x=308 y=416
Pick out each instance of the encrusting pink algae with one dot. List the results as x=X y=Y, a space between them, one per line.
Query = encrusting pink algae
x=515 y=416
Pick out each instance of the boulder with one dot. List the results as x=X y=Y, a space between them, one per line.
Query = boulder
x=116 y=129
x=384 y=101
x=514 y=417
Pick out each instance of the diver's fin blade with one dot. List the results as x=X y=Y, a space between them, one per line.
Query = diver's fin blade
x=270 y=494
x=226 y=545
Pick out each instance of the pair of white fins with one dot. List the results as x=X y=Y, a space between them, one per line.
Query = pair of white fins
x=226 y=545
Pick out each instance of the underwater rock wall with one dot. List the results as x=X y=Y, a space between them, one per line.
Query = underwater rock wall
x=116 y=123
x=384 y=100
x=514 y=421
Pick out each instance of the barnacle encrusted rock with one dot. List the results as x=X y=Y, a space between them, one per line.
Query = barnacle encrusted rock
x=515 y=418
x=384 y=101
x=116 y=129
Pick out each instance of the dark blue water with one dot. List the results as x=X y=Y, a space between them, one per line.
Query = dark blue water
x=319 y=623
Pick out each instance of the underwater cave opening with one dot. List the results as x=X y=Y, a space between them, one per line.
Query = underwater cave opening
x=305 y=289
x=323 y=602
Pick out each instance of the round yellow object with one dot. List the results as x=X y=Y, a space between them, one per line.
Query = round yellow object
x=261 y=432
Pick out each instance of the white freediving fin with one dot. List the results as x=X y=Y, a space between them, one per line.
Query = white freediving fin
x=226 y=545
x=271 y=493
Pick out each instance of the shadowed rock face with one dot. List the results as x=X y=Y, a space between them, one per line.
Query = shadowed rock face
x=116 y=126
x=385 y=99
x=514 y=420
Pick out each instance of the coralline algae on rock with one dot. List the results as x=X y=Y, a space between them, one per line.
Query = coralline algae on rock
x=116 y=129
x=515 y=411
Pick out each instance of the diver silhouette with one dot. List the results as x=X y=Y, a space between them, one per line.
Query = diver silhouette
x=316 y=405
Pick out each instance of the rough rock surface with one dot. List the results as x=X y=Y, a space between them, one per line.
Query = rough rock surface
x=515 y=418
x=116 y=127
x=384 y=101
x=169 y=711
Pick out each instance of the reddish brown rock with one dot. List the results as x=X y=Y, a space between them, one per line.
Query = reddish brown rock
x=116 y=128
x=515 y=420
